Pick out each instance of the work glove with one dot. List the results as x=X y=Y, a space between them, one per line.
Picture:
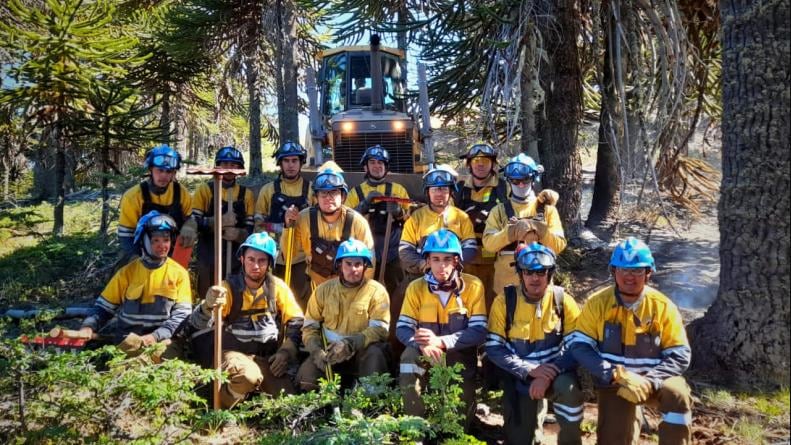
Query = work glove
x=278 y=362
x=215 y=296
x=291 y=216
x=228 y=220
x=340 y=351
x=234 y=234
x=132 y=345
x=548 y=197
x=396 y=210
x=319 y=358
x=189 y=233
x=633 y=387
x=540 y=227
x=518 y=231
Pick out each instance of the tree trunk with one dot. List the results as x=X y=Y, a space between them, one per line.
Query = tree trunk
x=105 y=154
x=607 y=181
x=401 y=40
x=744 y=335
x=279 y=84
x=60 y=175
x=254 y=96
x=527 y=96
x=561 y=82
x=290 y=126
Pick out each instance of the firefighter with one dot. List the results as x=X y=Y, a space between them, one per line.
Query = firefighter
x=150 y=296
x=477 y=195
x=527 y=325
x=278 y=206
x=255 y=306
x=237 y=221
x=439 y=213
x=523 y=219
x=320 y=229
x=443 y=314
x=347 y=321
x=632 y=340
x=160 y=192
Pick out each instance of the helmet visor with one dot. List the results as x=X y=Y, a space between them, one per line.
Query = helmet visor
x=535 y=261
x=166 y=162
x=481 y=150
x=438 y=178
x=329 y=181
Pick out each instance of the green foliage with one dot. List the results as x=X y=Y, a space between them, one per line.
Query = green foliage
x=444 y=407
x=95 y=396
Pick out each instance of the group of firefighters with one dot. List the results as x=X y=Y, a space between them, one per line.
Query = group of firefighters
x=479 y=260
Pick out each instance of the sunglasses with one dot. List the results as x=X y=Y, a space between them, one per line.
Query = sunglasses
x=481 y=149
x=539 y=272
x=519 y=181
x=631 y=271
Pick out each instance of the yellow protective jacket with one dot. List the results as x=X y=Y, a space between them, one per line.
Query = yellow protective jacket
x=648 y=337
x=478 y=203
x=424 y=222
x=377 y=215
x=461 y=323
x=329 y=233
x=361 y=313
x=203 y=206
x=145 y=300
x=536 y=333
x=133 y=206
x=271 y=206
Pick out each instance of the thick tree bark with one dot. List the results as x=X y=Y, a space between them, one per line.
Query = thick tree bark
x=744 y=335
x=105 y=154
x=254 y=96
x=561 y=82
x=290 y=125
x=527 y=81
x=60 y=175
x=607 y=181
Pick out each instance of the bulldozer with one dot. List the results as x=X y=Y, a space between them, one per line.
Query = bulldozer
x=357 y=100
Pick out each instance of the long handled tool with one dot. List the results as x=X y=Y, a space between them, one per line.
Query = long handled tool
x=218 y=174
x=289 y=257
x=385 y=247
x=228 y=245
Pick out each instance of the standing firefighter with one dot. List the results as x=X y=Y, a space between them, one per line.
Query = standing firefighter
x=160 y=192
x=444 y=314
x=255 y=306
x=438 y=214
x=150 y=296
x=346 y=322
x=631 y=338
x=237 y=217
x=278 y=206
x=526 y=329
x=523 y=219
x=321 y=229
x=477 y=196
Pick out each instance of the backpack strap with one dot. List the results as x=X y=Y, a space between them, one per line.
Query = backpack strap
x=388 y=189
x=559 y=310
x=359 y=190
x=314 y=225
x=347 y=225
x=146 y=192
x=269 y=294
x=510 y=308
x=509 y=209
x=305 y=188
x=237 y=289
x=175 y=205
x=501 y=191
x=278 y=189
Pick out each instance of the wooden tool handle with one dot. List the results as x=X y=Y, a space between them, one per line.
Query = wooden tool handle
x=69 y=333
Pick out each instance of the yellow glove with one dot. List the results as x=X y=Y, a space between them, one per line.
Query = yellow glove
x=189 y=233
x=548 y=197
x=633 y=387
x=215 y=296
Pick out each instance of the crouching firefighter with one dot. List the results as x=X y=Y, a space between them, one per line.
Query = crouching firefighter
x=321 y=229
x=150 y=296
x=347 y=321
x=255 y=305
x=526 y=329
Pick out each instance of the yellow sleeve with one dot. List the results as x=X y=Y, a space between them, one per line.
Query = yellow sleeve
x=411 y=305
x=352 y=200
x=311 y=332
x=497 y=316
x=477 y=302
x=249 y=204
x=286 y=302
x=262 y=205
x=400 y=192
x=183 y=287
x=673 y=332
x=200 y=201
x=378 y=316
x=311 y=195
x=131 y=206
x=116 y=288
x=465 y=227
x=495 y=235
x=409 y=233
x=555 y=238
x=591 y=319
x=570 y=314
x=186 y=200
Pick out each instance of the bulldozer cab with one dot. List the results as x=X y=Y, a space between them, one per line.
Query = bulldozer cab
x=345 y=80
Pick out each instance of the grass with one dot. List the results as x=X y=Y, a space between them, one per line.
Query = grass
x=759 y=414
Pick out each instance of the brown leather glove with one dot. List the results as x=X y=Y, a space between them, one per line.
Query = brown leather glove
x=215 y=296
x=132 y=345
x=278 y=362
x=540 y=227
x=319 y=358
x=518 y=230
x=234 y=234
x=548 y=197
x=633 y=387
x=189 y=233
x=340 y=351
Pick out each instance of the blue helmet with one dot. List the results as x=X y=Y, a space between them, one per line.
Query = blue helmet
x=535 y=257
x=229 y=154
x=164 y=157
x=352 y=248
x=632 y=254
x=260 y=241
x=442 y=241
x=480 y=149
x=522 y=167
x=376 y=152
x=150 y=223
x=329 y=179
x=438 y=177
x=291 y=149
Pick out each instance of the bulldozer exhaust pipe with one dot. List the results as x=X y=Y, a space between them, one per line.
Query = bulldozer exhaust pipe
x=376 y=75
